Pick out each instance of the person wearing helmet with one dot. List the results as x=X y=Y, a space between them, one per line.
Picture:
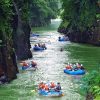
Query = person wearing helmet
x=82 y=68
x=41 y=85
x=78 y=66
x=52 y=85
x=25 y=64
x=59 y=38
x=33 y=64
x=58 y=87
x=74 y=67
x=46 y=88
x=69 y=67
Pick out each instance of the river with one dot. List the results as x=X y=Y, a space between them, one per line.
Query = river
x=51 y=63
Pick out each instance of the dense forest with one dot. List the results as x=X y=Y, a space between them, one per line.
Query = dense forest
x=81 y=20
x=42 y=11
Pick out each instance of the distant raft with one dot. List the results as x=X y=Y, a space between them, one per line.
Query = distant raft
x=51 y=93
x=63 y=39
x=74 y=72
x=38 y=48
x=34 y=35
x=27 y=68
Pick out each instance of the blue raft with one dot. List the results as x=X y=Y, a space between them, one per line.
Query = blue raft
x=24 y=68
x=34 y=35
x=61 y=39
x=38 y=48
x=51 y=93
x=28 y=68
x=74 y=72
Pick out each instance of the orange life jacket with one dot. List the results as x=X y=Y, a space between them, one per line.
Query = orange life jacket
x=46 y=87
x=68 y=67
x=52 y=85
x=42 y=86
x=25 y=64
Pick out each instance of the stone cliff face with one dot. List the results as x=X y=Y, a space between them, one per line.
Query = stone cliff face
x=21 y=35
x=90 y=36
x=22 y=42
x=16 y=47
x=8 y=66
x=95 y=35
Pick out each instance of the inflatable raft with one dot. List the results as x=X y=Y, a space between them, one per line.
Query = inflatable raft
x=51 y=93
x=61 y=39
x=74 y=72
x=34 y=35
x=38 y=48
x=28 y=68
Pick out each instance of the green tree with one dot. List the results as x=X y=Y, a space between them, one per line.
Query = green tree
x=42 y=11
x=80 y=16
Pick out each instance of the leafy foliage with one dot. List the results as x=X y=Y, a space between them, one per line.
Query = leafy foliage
x=81 y=14
x=5 y=17
x=91 y=83
x=42 y=11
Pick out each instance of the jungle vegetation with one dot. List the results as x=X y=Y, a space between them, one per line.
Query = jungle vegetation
x=81 y=20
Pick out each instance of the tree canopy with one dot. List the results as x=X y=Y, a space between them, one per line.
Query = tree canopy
x=42 y=11
x=81 y=14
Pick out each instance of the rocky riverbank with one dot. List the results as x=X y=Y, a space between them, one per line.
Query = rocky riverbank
x=90 y=36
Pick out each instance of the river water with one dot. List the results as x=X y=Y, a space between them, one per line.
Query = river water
x=51 y=63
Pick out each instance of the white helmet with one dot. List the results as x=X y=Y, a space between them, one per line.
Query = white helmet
x=81 y=64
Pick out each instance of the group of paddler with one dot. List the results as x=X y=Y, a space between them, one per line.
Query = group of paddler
x=76 y=66
x=63 y=38
x=41 y=45
x=26 y=65
x=49 y=86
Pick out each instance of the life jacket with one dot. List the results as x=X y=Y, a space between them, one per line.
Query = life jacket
x=42 y=86
x=46 y=87
x=79 y=66
x=58 y=87
x=52 y=85
x=25 y=64
x=68 y=67
x=34 y=63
